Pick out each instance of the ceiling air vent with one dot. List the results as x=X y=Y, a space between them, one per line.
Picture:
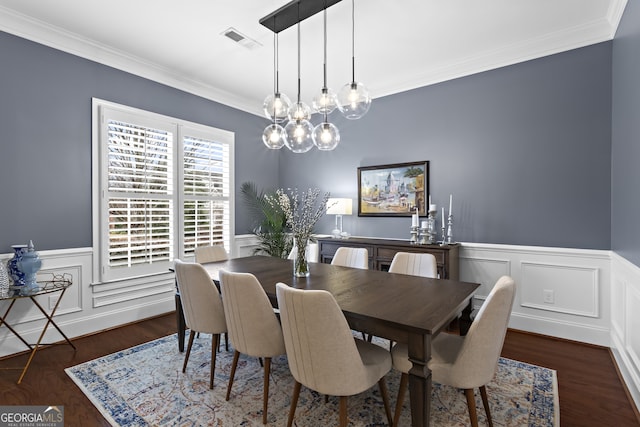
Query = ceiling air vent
x=240 y=38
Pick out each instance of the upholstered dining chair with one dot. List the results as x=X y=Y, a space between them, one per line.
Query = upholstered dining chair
x=470 y=361
x=414 y=264
x=351 y=257
x=323 y=355
x=202 y=307
x=253 y=326
x=312 y=252
x=212 y=253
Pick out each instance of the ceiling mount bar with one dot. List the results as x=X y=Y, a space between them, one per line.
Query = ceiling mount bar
x=289 y=14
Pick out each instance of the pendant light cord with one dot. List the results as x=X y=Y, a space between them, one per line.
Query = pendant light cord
x=325 y=44
x=298 y=52
x=353 y=44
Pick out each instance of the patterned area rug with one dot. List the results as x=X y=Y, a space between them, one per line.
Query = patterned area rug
x=145 y=386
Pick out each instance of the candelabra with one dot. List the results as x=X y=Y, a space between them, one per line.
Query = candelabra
x=424 y=234
x=450 y=230
x=431 y=226
x=414 y=235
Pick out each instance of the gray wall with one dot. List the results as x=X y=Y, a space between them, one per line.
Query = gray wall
x=525 y=150
x=45 y=139
x=625 y=193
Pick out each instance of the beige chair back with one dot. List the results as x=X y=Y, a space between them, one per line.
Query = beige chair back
x=477 y=359
x=254 y=329
x=213 y=253
x=351 y=257
x=414 y=264
x=312 y=252
x=200 y=299
x=321 y=349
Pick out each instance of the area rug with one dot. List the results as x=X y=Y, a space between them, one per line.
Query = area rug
x=145 y=386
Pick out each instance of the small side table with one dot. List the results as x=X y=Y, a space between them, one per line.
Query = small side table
x=56 y=285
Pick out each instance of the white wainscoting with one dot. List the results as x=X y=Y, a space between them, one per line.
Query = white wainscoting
x=625 y=322
x=595 y=297
x=577 y=281
x=85 y=307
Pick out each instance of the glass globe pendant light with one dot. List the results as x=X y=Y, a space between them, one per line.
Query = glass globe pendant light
x=274 y=135
x=325 y=135
x=326 y=101
x=353 y=99
x=299 y=130
x=276 y=105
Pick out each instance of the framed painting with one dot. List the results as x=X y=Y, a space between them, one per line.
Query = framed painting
x=393 y=190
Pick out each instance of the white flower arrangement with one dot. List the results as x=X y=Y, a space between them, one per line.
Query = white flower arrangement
x=302 y=211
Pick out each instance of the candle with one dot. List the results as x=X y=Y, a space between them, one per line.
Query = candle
x=450 y=203
x=424 y=224
x=414 y=220
x=443 y=215
x=429 y=199
x=432 y=208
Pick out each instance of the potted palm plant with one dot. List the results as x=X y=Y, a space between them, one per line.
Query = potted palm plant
x=269 y=222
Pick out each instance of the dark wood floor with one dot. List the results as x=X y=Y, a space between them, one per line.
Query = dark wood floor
x=591 y=393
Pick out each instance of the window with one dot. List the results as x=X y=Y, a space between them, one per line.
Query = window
x=163 y=188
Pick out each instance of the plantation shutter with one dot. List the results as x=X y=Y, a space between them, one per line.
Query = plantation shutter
x=139 y=195
x=206 y=190
x=165 y=188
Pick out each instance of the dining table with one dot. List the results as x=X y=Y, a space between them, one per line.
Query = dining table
x=398 y=307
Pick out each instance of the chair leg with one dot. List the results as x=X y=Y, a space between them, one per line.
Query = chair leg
x=215 y=340
x=265 y=397
x=404 y=379
x=294 y=403
x=385 y=399
x=485 y=402
x=192 y=335
x=343 y=411
x=236 y=355
x=471 y=403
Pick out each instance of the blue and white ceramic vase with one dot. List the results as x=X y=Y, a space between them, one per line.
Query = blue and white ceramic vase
x=17 y=276
x=30 y=264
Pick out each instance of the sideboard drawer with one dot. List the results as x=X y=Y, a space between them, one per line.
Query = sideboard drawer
x=382 y=251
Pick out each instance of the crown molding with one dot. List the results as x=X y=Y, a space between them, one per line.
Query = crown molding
x=561 y=41
x=43 y=33
x=571 y=38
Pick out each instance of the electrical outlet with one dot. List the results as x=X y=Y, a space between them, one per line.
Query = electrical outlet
x=53 y=299
x=547 y=296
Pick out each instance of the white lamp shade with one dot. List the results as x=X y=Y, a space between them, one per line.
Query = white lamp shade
x=339 y=206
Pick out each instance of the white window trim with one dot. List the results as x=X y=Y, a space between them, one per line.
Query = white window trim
x=195 y=129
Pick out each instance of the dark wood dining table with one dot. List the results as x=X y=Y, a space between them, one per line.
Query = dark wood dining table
x=402 y=308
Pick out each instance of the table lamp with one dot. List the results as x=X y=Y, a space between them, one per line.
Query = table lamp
x=339 y=207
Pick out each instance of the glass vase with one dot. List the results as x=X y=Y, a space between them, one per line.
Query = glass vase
x=300 y=263
x=4 y=279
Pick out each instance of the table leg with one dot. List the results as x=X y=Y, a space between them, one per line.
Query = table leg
x=44 y=330
x=465 y=318
x=50 y=317
x=181 y=324
x=4 y=322
x=420 y=380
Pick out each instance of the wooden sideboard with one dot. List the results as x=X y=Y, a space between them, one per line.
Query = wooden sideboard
x=381 y=252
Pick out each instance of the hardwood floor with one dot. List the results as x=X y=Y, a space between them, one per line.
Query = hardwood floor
x=591 y=393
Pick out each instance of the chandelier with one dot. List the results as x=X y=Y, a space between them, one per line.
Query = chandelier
x=353 y=100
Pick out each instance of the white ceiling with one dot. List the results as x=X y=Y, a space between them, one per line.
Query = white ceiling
x=399 y=44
